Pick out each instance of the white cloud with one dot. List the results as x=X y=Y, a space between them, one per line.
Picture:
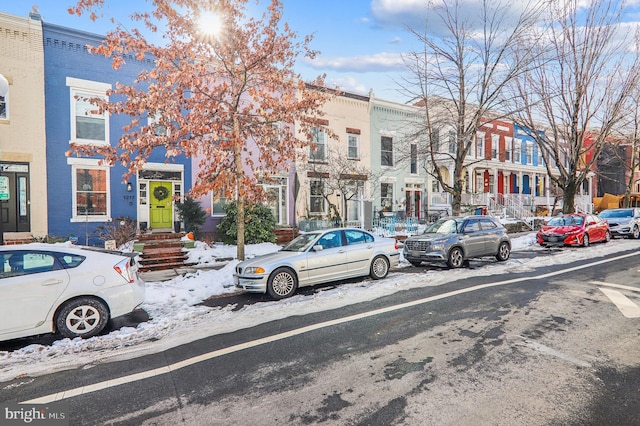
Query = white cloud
x=384 y=61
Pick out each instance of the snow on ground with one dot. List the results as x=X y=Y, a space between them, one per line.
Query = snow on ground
x=176 y=318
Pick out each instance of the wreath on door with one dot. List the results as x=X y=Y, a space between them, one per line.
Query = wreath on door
x=160 y=192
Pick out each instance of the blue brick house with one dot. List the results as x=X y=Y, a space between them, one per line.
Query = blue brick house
x=84 y=193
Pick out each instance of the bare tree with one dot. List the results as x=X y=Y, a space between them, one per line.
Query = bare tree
x=341 y=177
x=579 y=88
x=460 y=77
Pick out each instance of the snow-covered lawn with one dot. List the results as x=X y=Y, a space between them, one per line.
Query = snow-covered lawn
x=176 y=318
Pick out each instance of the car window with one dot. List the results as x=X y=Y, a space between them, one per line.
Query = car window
x=70 y=260
x=24 y=262
x=355 y=237
x=488 y=224
x=472 y=226
x=331 y=240
x=610 y=214
x=301 y=242
x=566 y=220
x=445 y=226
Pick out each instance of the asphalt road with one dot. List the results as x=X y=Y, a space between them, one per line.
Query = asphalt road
x=537 y=348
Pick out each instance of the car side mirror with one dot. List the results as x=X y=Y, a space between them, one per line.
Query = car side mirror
x=317 y=247
x=590 y=223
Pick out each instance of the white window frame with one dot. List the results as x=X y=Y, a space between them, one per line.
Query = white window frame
x=452 y=142
x=311 y=196
x=87 y=88
x=353 y=142
x=5 y=100
x=387 y=198
x=88 y=163
x=319 y=139
x=480 y=145
x=384 y=151
x=495 y=147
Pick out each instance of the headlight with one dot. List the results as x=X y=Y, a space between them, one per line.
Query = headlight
x=254 y=270
x=437 y=245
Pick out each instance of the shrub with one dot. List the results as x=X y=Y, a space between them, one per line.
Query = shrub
x=122 y=229
x=192 y=214
x=259 y=225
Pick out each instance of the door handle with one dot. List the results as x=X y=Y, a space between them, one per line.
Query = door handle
x=51 y=282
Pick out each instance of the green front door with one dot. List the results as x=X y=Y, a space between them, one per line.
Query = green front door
x=161 y=211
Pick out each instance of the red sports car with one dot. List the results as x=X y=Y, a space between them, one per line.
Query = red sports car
x=574 y=230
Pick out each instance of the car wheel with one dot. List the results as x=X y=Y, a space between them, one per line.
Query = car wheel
x=635 y=232
x=282 y=283
x=503 y=251
x=415 y=262
x=83 y=317
x=379 y=268
x=585 y=240
x=456 y=258
x=607 y=237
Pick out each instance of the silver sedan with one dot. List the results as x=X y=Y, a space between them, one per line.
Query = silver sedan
x=318 y=257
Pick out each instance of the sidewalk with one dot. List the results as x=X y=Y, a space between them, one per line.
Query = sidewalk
x=168 y=274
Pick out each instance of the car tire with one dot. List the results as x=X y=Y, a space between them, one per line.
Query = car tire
x=282 y=283
x=83 y=317
x=585 y=240
x=456 y=258
x=379 y=268
x=415 y=262
x=635 y=232
x=607 y=237
x=504 y=251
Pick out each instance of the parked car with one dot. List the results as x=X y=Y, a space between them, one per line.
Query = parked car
x=318 y=257
x=454 y=240
x=70 y=290
x=623 y=222
x=573 y=230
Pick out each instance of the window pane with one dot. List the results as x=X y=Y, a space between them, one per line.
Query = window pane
x=91 y=192
x=386 y=151
x=89 y=125
x=3 y=108
x=353 y=146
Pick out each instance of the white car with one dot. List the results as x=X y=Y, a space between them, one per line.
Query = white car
x=57 y=288
x=318 y=257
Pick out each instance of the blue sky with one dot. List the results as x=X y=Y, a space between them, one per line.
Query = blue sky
x=360 y=41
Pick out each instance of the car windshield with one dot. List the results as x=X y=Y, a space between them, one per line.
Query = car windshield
x=301 y=243
x=445 y=226
x=609 y=214
x=566 y=221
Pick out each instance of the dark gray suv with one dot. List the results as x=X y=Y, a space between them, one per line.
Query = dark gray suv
x=453 y=240
x=623 y=222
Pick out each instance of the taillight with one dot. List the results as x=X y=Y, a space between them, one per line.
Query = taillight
x=124 y=269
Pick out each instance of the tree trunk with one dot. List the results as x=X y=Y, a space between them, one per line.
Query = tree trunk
x=569 y=197
x=239 y=189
